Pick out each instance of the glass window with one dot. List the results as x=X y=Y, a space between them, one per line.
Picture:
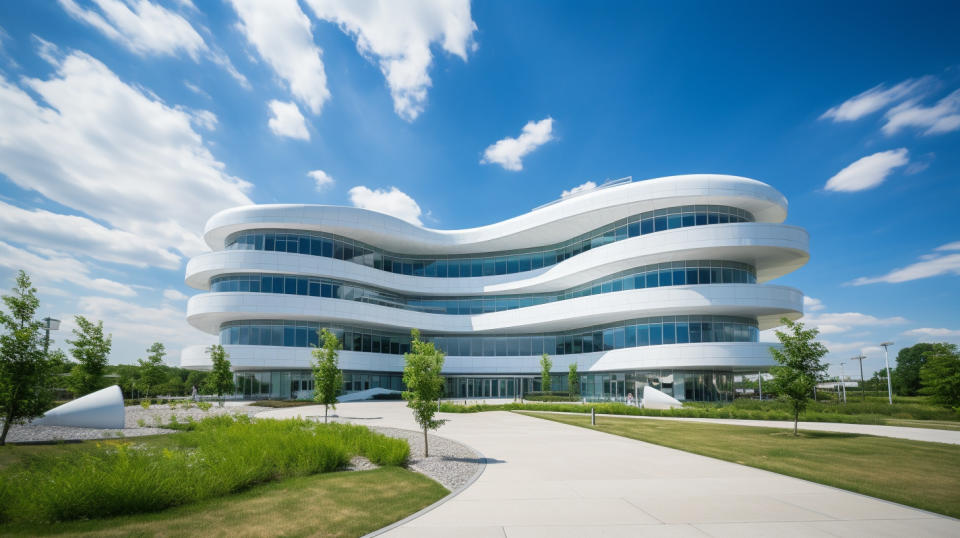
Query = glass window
x=683 y=333
x=643 y=334
x=669 y=333
x=656 y=334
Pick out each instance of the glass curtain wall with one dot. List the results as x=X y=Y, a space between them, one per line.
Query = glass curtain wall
x=650 y=276
x=501 y=263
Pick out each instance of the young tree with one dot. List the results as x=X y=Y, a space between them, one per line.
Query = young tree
x=153 y=373
x=25 y=376
x=800 y=367
x=421 y=374
x=573 y=379
x=940 y=375
x=327 y=377
x=91 y=349
x=220 y=380
x=545 y=365
x=906 y=376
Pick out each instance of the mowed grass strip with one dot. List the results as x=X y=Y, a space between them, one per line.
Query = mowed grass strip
x=914 y=473
x=334 y=504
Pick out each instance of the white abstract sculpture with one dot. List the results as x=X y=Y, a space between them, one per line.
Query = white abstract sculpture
x=101 y=409
x=655 y=399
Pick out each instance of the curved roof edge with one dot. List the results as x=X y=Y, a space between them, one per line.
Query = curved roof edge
x=550 y=224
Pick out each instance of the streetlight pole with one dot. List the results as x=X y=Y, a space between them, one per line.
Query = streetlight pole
x=843 y=384
x=859 y=358
x=49 y=324
x=886 y=362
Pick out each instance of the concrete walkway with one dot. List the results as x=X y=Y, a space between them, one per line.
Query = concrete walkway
x=553 y=480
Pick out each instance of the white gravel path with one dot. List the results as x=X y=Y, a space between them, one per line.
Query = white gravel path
x=150 y=419
x=450 y=463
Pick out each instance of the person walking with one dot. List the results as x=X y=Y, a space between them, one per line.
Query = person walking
x=195 y=396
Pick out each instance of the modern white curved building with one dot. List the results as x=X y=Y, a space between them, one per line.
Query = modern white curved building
x=660 y=282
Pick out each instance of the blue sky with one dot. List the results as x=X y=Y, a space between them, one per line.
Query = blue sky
x=124 y=125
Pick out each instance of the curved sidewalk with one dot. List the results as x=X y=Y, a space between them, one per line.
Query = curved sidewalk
x=544 y=478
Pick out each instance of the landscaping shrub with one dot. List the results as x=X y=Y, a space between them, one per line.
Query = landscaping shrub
x=283 y=403
x=551 y=396
x=214 y=457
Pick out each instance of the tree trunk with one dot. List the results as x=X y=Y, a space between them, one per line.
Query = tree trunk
x=324 y=413
x=6 y=428
x=796 y=419
x=426 y=449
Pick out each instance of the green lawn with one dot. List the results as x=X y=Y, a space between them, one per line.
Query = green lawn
x=333 y=504
x=924 y=475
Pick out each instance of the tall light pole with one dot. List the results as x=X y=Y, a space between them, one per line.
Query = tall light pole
x=49 y=324
x=859 y=358
x=886 y=361
x=843 y=384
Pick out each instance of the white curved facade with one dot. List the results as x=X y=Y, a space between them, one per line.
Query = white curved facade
x=660 y=282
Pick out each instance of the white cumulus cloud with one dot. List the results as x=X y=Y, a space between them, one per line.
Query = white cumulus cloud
x=583 y=187
x=509 y=152
x=398 y=35
x=321 y=179
x=280 y=32
x=943 y=261
x=392 y=202
x=811 y=304
x=875 y=99
x=943 y=117
x=868 y=172
x=286 y=120
x=93 y=143
x=146 y=28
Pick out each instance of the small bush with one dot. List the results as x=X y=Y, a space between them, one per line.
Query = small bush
x=145 y=404
x=204 y=406
x=214 y=457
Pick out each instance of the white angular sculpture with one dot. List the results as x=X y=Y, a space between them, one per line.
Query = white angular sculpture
x=101 y=409
x=655 y=399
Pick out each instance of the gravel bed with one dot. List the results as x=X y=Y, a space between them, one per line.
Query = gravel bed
x=152 y=418
x=450 y=463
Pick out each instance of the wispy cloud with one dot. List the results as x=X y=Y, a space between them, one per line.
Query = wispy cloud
x=930 y=333
x=102 y=147
x=583 y=187
x=942 y=117
x=398 y=35
x=146 y=28
x=868 y=172
x=944 y=260
x=280 y=32
x=321 y=179
x=875 y=99
x=509 y=152
x=392 y=202
x=46 y=266
x=286 y=120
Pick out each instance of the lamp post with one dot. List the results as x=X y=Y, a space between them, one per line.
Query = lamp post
x=886 y=362
x=843 y=384
x=49 y=324
x=860 y=357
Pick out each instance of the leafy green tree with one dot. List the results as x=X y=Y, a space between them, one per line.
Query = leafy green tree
x=91 y=349
x=220 y=380
x=906 y=376
x=940 y=375
x=327 y=377
x=545 y=365
x=25 y=371
x=573 y=379
x=152 y=370
x=799 y=367
x=421 y=374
